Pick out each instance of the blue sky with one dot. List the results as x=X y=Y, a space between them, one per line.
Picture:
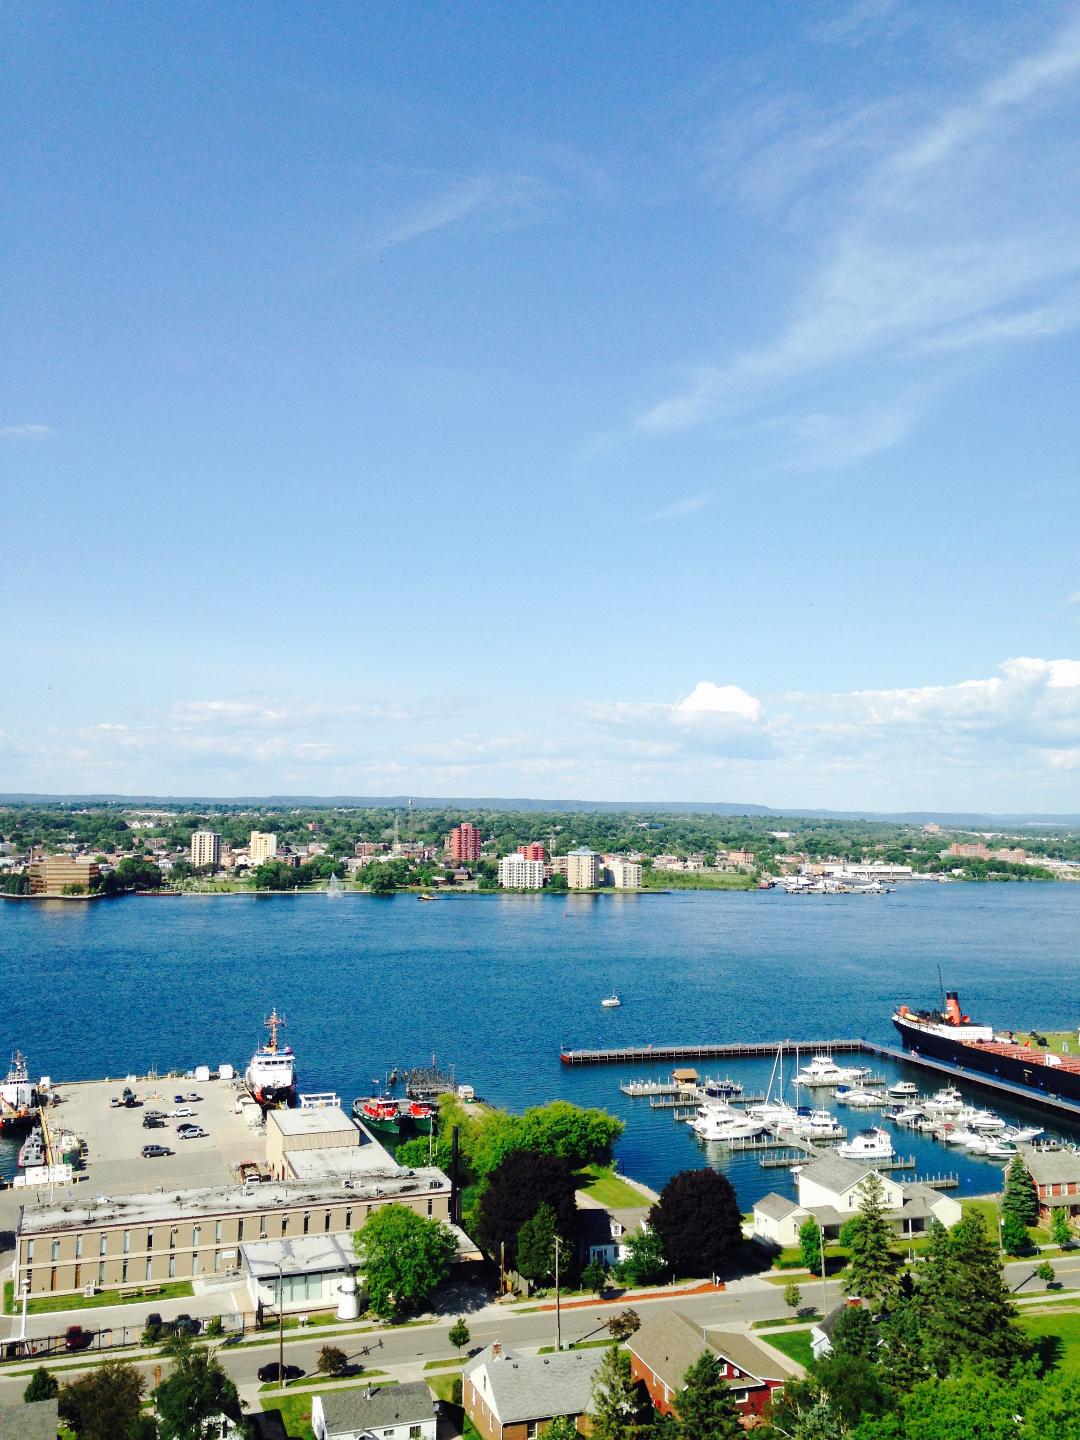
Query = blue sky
x=595 y=400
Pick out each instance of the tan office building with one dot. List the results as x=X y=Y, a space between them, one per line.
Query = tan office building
x=52 y=874
x=205 y=848
x=262 y=846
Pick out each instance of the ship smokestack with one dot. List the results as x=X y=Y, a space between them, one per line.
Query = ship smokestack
x=952 y=1008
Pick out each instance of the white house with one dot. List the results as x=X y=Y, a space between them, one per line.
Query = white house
x=830 y=1191
x=392 y=1412
x=603 y=1234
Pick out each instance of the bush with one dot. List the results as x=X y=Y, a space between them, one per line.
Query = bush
x=43 y=1386
x=331 y=1361
x=455 y=1390
x=214 y=1325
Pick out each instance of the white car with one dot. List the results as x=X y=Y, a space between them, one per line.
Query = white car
x=180 y=1110
x=191 y=1132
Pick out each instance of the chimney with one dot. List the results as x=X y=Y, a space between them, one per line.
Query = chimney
x=496 y=1349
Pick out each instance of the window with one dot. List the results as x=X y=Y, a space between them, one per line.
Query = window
x=101 y=1272
x=149 y=1239
x=101 y=1245
x=172 y=1238
x=55 y=1251
x=78 y=1247
x=284 y=1224
x=240 y=1228
x=217 y=1259
x=29 y=1249
x=348 y=1219
x=172 y=1266
x=429 y=1205
x=196 y=1235
x=149 y=1268
x=307 y=1221
x=326 y=1224
x=217 y=1229
x=123 y=1272
x=127 y=1241
x=415 y=1432
x=78 y=1277
x=194 y=1262
x=530 y=1430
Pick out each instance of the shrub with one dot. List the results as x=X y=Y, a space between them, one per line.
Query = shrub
x=331 y=1361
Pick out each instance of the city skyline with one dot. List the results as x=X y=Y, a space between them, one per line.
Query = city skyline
x=733 y=349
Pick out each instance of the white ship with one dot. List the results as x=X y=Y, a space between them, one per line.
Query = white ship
x=18 y=1096
x=271 y=1075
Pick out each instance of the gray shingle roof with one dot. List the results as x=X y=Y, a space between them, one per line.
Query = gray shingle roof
x=668 y=1344
x=834 y=1172
x=746 y=1353
x=348 y=1410
x=38 y=1421
x=535 y=1387
x=1052 y=1167
x=775 y=1206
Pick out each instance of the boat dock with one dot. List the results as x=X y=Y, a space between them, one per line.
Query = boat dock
x=1068 y=1110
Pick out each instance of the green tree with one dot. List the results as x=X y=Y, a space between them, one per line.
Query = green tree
x=43 y=1386
x=901 y=1352
x=704 y=1406
x=197 y=1392
x=645 y=1262
x=792 y=1295
x=332 y=1361
x=404 y=1258
x=579 y=1136
x=1060 y=1232
x=594 y=1276
x=853 y=1386
x=136 y=872
x=698 y=1222
x=1045 y=1272
x=459 y=1335
x=536 y=1245
x=810 y=1245
x=1021 y=1198
x=853 y=1333
x=515 y=1190
x=1014 y=1236
x=379 y=880
x=561 y=1427
x=105 y=1404
x=872 y=1270
x=617 y=1411
x=625 y=1324
x=964 y=1305
x=557 y=884
x=977 y=1404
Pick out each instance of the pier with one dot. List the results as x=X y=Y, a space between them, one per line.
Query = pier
x=1068 y=1110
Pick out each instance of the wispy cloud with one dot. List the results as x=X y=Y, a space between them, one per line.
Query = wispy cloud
x=25 y=432
x=679 y=509
x=946 y=234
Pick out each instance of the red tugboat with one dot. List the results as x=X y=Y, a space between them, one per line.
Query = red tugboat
x=378 y=1113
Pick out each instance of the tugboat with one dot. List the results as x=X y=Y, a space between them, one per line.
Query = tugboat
x=271 y=1074
x=380 y=1113
x=419 y=1115
x=19 y=1100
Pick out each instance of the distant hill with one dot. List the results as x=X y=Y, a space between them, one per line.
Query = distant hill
x=962 y=820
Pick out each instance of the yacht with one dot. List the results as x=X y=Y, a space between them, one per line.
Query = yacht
x=961 y=1135
x=946 y=1101
x=611 y=1002
x=986 y=1120
x=998 y=1149
x=869 y=1145
x=271 y=1073
x=721 y=1089
x=857 y=1096
x=1020 y=1134
x=773 y=1112
x=824 y=1071
x=713 y=1124
x=816 y=1125
x=902 y=1090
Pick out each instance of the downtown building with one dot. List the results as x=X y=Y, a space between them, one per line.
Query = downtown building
x=262 y=846
x=464 y=842
x=517 y=873
x=52 y=874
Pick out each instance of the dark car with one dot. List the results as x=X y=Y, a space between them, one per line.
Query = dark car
x=76 y=1338
x=153 y=1152
x=274 y=1371
x=187 y=1325
x=153 y=1122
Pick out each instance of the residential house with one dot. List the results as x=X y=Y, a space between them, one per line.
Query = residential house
x=1057 y=1179
x=830 y=1192
x=821 y=1333
x=509 y=1396
x=603 y=1234
x=668 y=1343
x=392 y=1412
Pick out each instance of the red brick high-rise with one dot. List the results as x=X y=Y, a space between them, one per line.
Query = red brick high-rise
x=465 y=842
x=533 y=851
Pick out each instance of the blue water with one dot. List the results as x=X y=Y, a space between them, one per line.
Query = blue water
x=499 y=984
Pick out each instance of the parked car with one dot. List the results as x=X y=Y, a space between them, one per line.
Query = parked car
x=191 y=1132
x=154 y=1325
x=193 y=1096
x=153 y=1122
x=180 y=1110
x=274 y=1371
x=178 y=1099
x=116 y=1102
x=153 y=1152
x=76 y=1338
x=187 y=1325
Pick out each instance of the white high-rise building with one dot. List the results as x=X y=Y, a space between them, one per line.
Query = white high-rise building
x=517 y=873
x=205 y=848
x=262 y=846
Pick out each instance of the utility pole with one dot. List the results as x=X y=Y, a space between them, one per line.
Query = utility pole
x=824 y=1288
x=558 y=1311
x=281 y=1323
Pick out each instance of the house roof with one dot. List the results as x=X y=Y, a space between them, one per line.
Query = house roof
x=776 y=1207
x=535 y=1387
x=834 y=1172
x=633 y=1217
x=594 y=1227
x=37 y=1421
x=746 y=1353
x=668 y=1344
x=1052 y=1167
x=365 y=1409
x=828 y=1214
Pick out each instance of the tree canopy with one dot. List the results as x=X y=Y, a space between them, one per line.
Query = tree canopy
x=105 y=1403
x=698 y=1222
x=704 y=1406
x=514 y=1192
x=404 y=1258
x=192 y=1398
x=872 y=1270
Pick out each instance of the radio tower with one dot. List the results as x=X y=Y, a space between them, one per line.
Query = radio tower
x=410 y=821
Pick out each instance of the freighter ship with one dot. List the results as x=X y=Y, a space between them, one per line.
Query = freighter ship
x=271 y=1074
x=951 y=1035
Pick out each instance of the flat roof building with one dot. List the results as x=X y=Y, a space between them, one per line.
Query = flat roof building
x=262 y=846
x=205 y=848
x=55 y=874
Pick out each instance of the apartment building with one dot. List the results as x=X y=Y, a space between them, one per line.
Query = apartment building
x=517 y=873
x=464 y=842
x=205 y=848
x=262 y=846
x=624 y=874
x=533 y=851
x=583 y=869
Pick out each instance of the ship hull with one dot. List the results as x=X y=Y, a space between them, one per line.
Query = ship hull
x=1045 y=1079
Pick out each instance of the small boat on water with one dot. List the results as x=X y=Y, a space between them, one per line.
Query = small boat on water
x=716 y=1124
x=858 y=1097
x=418 y=1115
x=721 y=1089
x=426 y=896
x=816 y=1125
x=946 y=1101
x=379 y=1112
x=611 y=1002
x=983 y=1120
x=873 y=1144
x=902 y=1090
x=1020 y=1134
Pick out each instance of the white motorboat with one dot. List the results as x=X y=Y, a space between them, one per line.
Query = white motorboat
x=716 y=1125
x=986 y=1120
x=823 y=1071
x=969 y=1139
x=1020 y=1134
x=611 y=1002
x=773 y=1112
x=858 y=1097
x=869 y=1145
x=998 y=1149
x=32 y=1150
x=909 y=1114
x=946 y=1101
x=816 y=1125
x=902 y=1090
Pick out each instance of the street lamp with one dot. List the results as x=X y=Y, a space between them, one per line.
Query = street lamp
x=281 y=1323
x=25 y=1299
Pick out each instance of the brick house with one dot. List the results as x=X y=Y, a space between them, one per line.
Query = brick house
x=1057 y=1179
x=508 y=1396
x=668 y=1343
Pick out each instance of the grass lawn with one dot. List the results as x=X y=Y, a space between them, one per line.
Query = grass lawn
x=443 y=1385
x=46 y=1304
x=796 y=1345
x=1059 y=1334
x=694 y=880
x=296 y=1414
x=601 y=1184
x=312 y=1382
x=445 y=1364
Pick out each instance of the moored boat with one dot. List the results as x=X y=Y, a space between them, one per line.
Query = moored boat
x=873 y=1144
x=271 y=1073
x=19 y=1100
x=32 y=1150
x=418 y=1115
x=378 y=1112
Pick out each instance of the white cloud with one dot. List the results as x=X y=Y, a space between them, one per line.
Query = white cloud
x=25 y=432
x=679 y=509
x=708 y=701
